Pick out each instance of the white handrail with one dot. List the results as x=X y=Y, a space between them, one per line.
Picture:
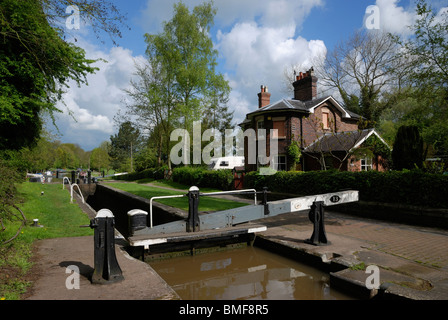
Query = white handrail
x=232 y=191
x=202 y=194
x=71 y=193
x=161 y=197
x=63 y=180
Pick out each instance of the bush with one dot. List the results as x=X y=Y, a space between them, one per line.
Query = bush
x=412 y=187
x=190 y=176
x=152 y=173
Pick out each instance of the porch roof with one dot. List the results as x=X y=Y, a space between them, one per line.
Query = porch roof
x=342 y=141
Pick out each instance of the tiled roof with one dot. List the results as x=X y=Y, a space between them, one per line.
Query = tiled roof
x=301 y=106
x=341 y=141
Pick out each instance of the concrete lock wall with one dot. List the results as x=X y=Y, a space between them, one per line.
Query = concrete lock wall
x=121 y=202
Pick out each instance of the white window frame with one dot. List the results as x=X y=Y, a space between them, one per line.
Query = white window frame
x=284 y=163
x=366 y=164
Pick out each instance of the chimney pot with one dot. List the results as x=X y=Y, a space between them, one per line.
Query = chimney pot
x=264 y=98
x=305 y=88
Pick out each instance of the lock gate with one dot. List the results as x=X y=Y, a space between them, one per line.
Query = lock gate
x=233 y=222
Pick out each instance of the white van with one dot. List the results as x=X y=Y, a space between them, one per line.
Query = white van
x=226 y=163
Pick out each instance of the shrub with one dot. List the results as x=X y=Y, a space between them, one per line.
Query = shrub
x=152 y=173
x=191 y=176
x=412 y=187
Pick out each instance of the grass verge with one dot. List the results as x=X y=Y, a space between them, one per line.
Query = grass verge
x=58 y=217
x=205 y=203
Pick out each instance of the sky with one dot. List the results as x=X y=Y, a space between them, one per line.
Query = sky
x=256 y=40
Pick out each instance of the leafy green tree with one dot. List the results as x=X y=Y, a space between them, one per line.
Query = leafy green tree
x=407 y=152
x=153 y=105
x=146 y=158
x=124 y=145
x=424 y=100
x=179 y=84
x=8 y=198
x=66 y=158
x=185 y=55
x=35 y=65
x=99 y=157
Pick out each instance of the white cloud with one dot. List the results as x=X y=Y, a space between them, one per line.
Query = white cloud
x=94 y=105
x=259 y=56
x=270 y=13
x=394 y=18
x=256 y=40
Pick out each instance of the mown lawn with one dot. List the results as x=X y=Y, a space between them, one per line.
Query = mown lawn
x=58 y=217
x=205 y=203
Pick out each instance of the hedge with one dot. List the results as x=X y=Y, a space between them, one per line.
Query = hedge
x=190 y=176
x=151 y=173
x=411 y=187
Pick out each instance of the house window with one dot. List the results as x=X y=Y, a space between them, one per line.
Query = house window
x=281 y=163
x=366 y=164
x=326 y=118
x=280 y=127
x=260 y=125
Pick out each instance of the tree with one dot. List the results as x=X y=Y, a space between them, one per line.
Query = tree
x=427 y=50
x=124 y=145
x=407 y=152
x=99 y=158
x=36 y=63
x=179 y=84
x=187 y=60
x=101 y=16
x=8 y=198
x=153 y=105
x=361 y=69
x=426 y=54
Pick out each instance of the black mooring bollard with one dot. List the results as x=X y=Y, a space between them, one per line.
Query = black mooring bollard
x=137 y=220
x=265 y=201
x=316 y=216
x=106 y=268
x=193 y=223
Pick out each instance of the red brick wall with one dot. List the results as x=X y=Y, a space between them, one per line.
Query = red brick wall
x=312 y=126
x=307 y=128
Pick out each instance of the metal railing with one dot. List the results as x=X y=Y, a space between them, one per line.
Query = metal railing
x=63 y=181
x=245 y=191
x=201 y=194
x=161 y=197
x=71 y=192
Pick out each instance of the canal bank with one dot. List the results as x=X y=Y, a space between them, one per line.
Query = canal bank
x=412 y=262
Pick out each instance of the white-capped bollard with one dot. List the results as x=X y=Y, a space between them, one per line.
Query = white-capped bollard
x=106 y=268
x=137 y=220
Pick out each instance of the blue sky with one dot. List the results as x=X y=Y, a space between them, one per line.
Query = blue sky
x=256 y=41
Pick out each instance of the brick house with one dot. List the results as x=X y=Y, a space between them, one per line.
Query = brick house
x=325 y=131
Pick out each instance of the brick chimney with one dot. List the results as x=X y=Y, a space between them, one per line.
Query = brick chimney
x=305 y=86
x=264 y=97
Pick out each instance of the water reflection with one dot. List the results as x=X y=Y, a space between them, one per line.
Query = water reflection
x=249 y=273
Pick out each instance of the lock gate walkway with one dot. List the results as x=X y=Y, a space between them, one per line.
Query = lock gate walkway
x=413 y=261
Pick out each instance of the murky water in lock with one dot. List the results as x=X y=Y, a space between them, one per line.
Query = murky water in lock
x=246 y=273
